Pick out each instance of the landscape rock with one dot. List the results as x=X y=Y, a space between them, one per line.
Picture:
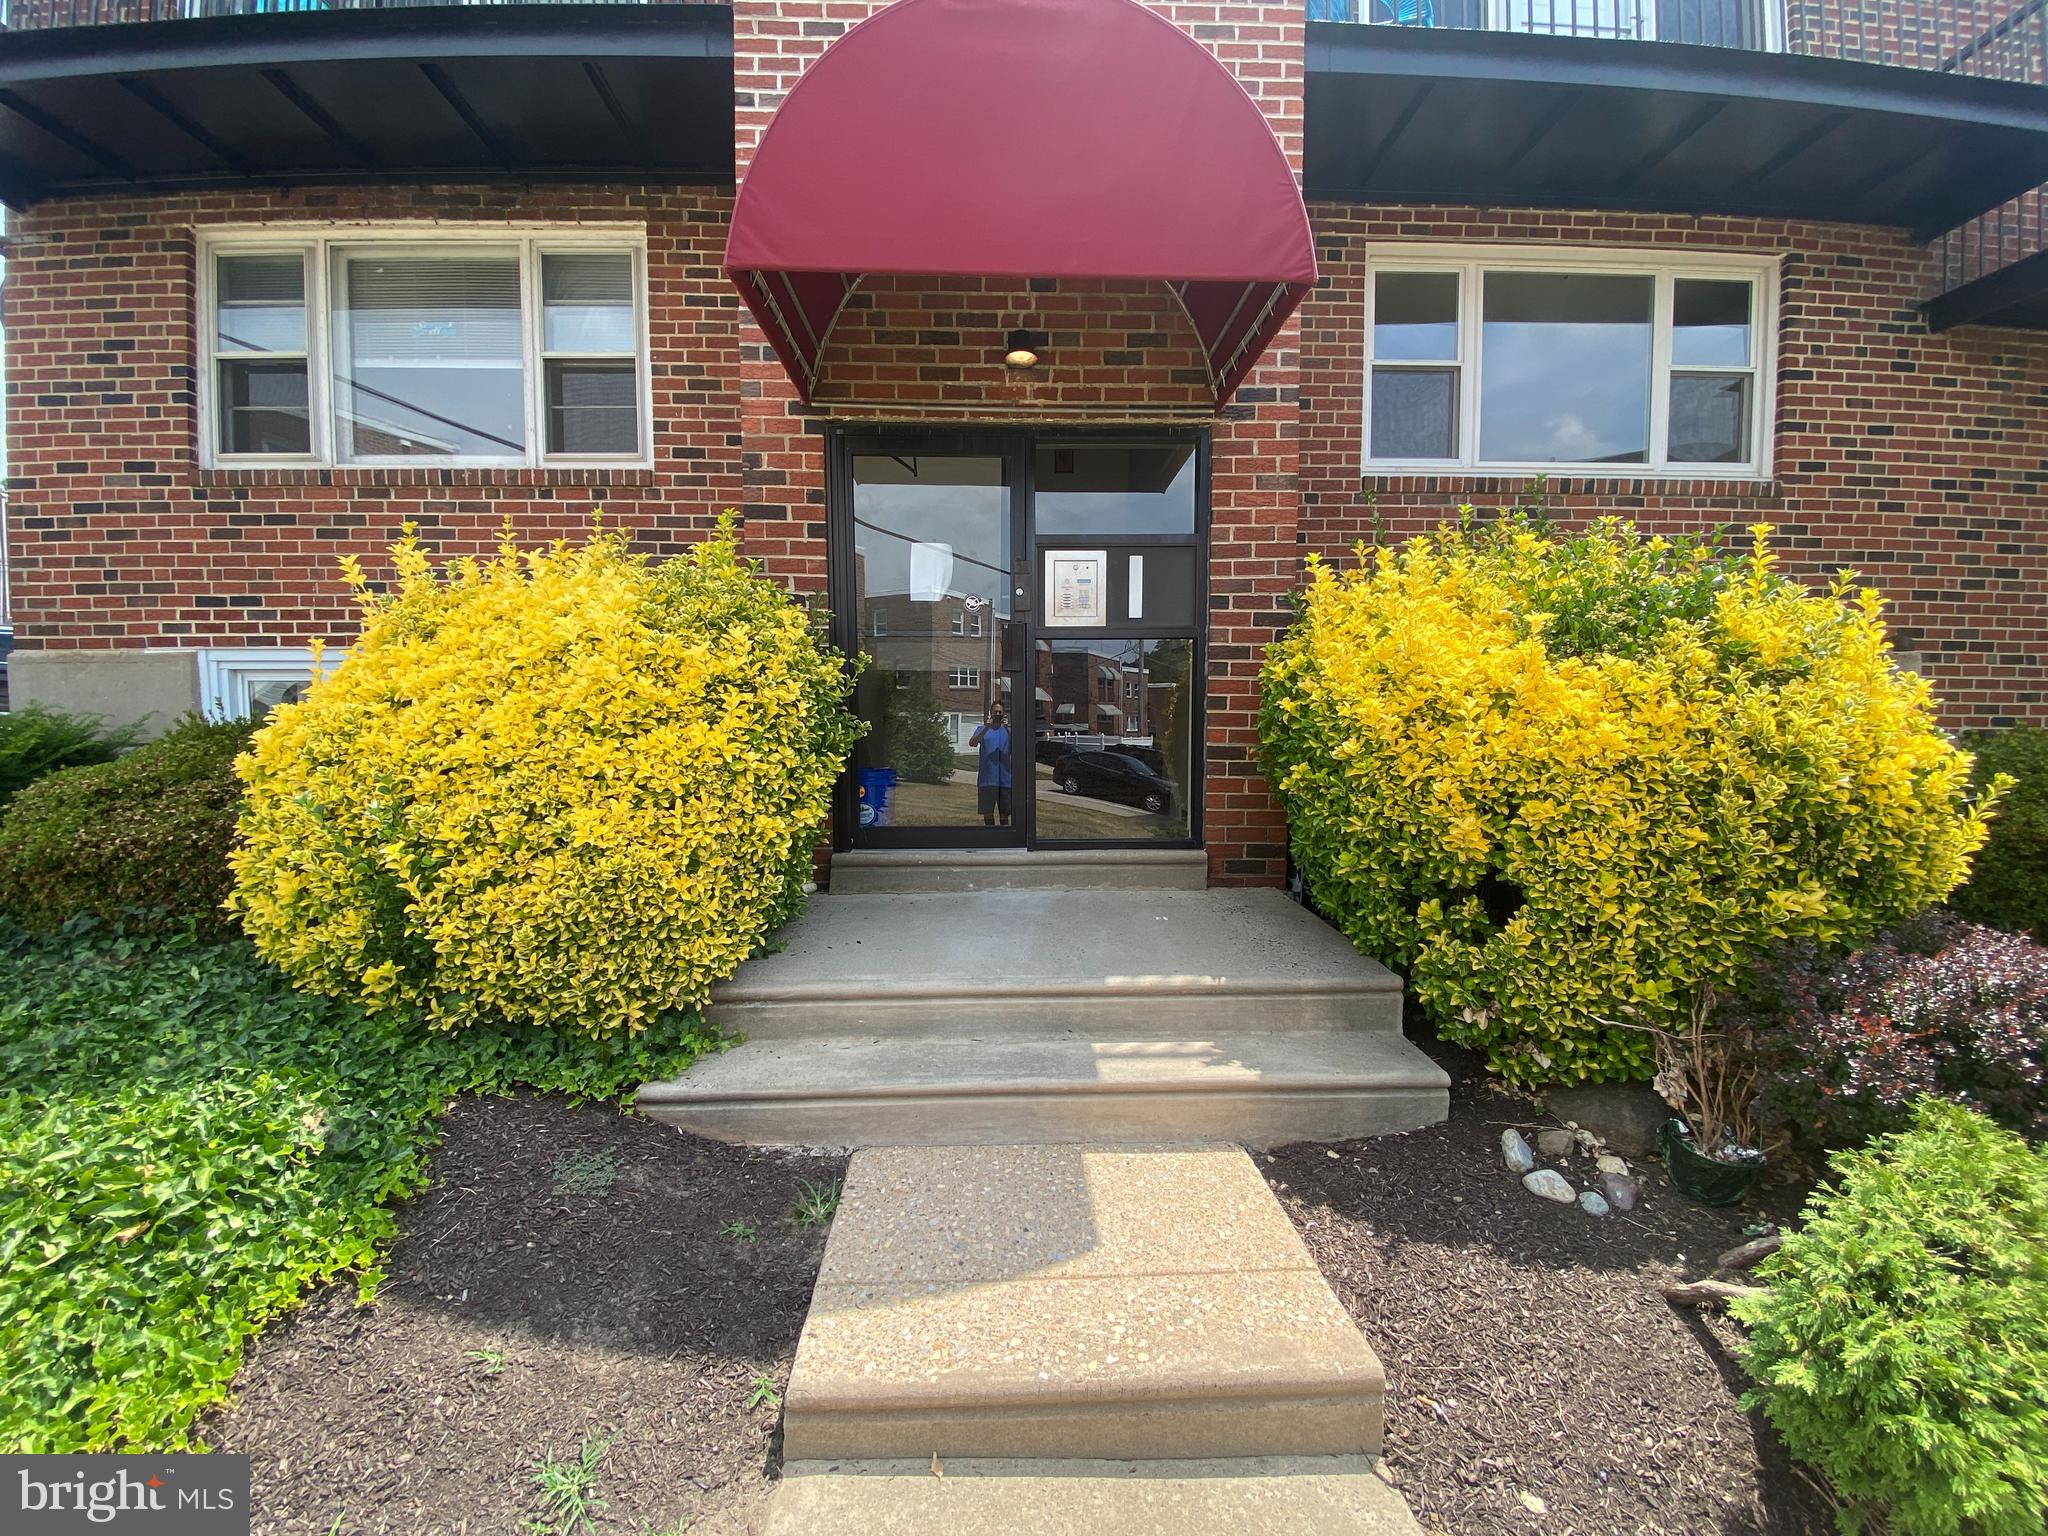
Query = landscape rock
x=1621 y=1191
x=1592 y=1204
x=1514 y=1151
x=1555 y=1143
x=1624 y=1115
x=1551 y=1185
x=1607 y=1162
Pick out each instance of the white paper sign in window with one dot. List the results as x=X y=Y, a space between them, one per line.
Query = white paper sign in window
x=931 y=572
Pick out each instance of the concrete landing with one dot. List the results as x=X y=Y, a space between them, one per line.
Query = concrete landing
x=1329 y=1496
x=1118 y=964
x=1061 y=1302
x=1004 y=1083
x=912 y=870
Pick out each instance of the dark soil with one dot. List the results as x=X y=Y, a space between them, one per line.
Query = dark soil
x=1529 y=1353
x=565 y=1276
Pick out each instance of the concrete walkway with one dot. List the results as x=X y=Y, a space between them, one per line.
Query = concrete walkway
x=1068 y=1338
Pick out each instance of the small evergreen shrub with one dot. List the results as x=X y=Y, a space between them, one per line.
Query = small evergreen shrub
x=1934 y=1007
x=1903 y=1341
x=35 y=741
x=2008 y=884
x=144 y=837
x=1564 y=782
x=914 y=739
x=565 y=787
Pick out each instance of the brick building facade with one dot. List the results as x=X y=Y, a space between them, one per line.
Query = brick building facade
x=1918 y=457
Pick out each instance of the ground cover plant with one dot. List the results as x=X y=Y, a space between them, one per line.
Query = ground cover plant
x=143 y=837
x=1931 y=1007
x=2008 y=885
x=186 y=1144
x=35 y=741
x=566 y=787
x=1564 y=781
x=1902 y=1341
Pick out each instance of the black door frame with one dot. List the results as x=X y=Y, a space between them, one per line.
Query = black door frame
x=1017 y=447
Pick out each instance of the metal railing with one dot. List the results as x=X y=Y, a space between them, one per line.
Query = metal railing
x=36 y=15
x=1714 y=23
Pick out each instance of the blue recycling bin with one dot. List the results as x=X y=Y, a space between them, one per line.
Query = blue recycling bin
x=876 y=785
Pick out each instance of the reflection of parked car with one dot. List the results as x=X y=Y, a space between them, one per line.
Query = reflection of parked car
x=1153 y=759
x=1052 y=750
x=1114 y=776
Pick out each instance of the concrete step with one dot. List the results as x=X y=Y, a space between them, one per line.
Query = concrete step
x=1326 y=1495
x=1073 y=1302
x=1128 y=965
x=1008 y=1084
x=874 y=872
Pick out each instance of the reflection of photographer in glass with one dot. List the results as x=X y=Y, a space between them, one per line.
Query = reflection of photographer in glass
x=992 y=774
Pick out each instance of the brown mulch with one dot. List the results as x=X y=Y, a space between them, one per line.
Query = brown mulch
x=1529 y=1355
x=622 y=1310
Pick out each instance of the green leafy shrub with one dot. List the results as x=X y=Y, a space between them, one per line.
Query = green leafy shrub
x=35 y=741
x=565 y=787
x=186 y=1144
x=2008 y=884
x=1565 y=781
x=1903 y=1341
x=144 y=837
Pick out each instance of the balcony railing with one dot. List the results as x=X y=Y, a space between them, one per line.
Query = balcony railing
x=1717 y=23
x=35 y=15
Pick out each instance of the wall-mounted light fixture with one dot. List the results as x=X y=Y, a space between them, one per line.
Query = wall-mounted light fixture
x=1025 y=348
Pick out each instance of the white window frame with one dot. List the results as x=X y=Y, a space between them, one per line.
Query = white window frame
x=963 y=677
x=322 y=244
x=229 y=676
x=1467 y=262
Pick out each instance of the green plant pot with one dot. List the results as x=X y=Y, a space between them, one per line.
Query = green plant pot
x=1706 y=1179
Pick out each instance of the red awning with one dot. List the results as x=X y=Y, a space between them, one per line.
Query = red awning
x=1020 y=139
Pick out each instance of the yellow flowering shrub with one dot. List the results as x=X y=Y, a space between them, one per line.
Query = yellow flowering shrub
x=566 y=787
x=1563 y=781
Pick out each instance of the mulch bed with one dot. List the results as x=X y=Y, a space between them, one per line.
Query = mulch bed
x=585 y=1248
x=1527 y=1349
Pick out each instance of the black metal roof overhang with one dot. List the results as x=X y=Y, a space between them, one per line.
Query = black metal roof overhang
x=476 y=93
x=1432 y=115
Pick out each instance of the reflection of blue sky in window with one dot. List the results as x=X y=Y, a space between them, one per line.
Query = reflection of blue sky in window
x=1086 y=491
x=893 y=513
x=1565 y=369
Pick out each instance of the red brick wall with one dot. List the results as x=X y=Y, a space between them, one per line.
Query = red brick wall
x=1919 y=459
x=926 y=349
x=119 y=538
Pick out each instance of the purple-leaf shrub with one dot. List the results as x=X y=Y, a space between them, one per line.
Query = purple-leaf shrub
x=1934 y=1007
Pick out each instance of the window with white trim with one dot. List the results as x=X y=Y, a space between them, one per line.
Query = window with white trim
x=1529 y=362
x=964 y=677
x=247 y=684
x=489 y=347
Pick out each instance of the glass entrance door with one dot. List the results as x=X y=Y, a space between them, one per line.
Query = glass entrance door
x=931 y=593
x=1031 y=608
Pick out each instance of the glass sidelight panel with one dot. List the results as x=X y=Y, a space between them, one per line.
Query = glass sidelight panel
x=932 y=594
x=1114 y=750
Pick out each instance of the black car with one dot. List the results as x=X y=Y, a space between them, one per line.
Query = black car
x=1051 y=751
x=1113 y=776
x=1152 y=758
